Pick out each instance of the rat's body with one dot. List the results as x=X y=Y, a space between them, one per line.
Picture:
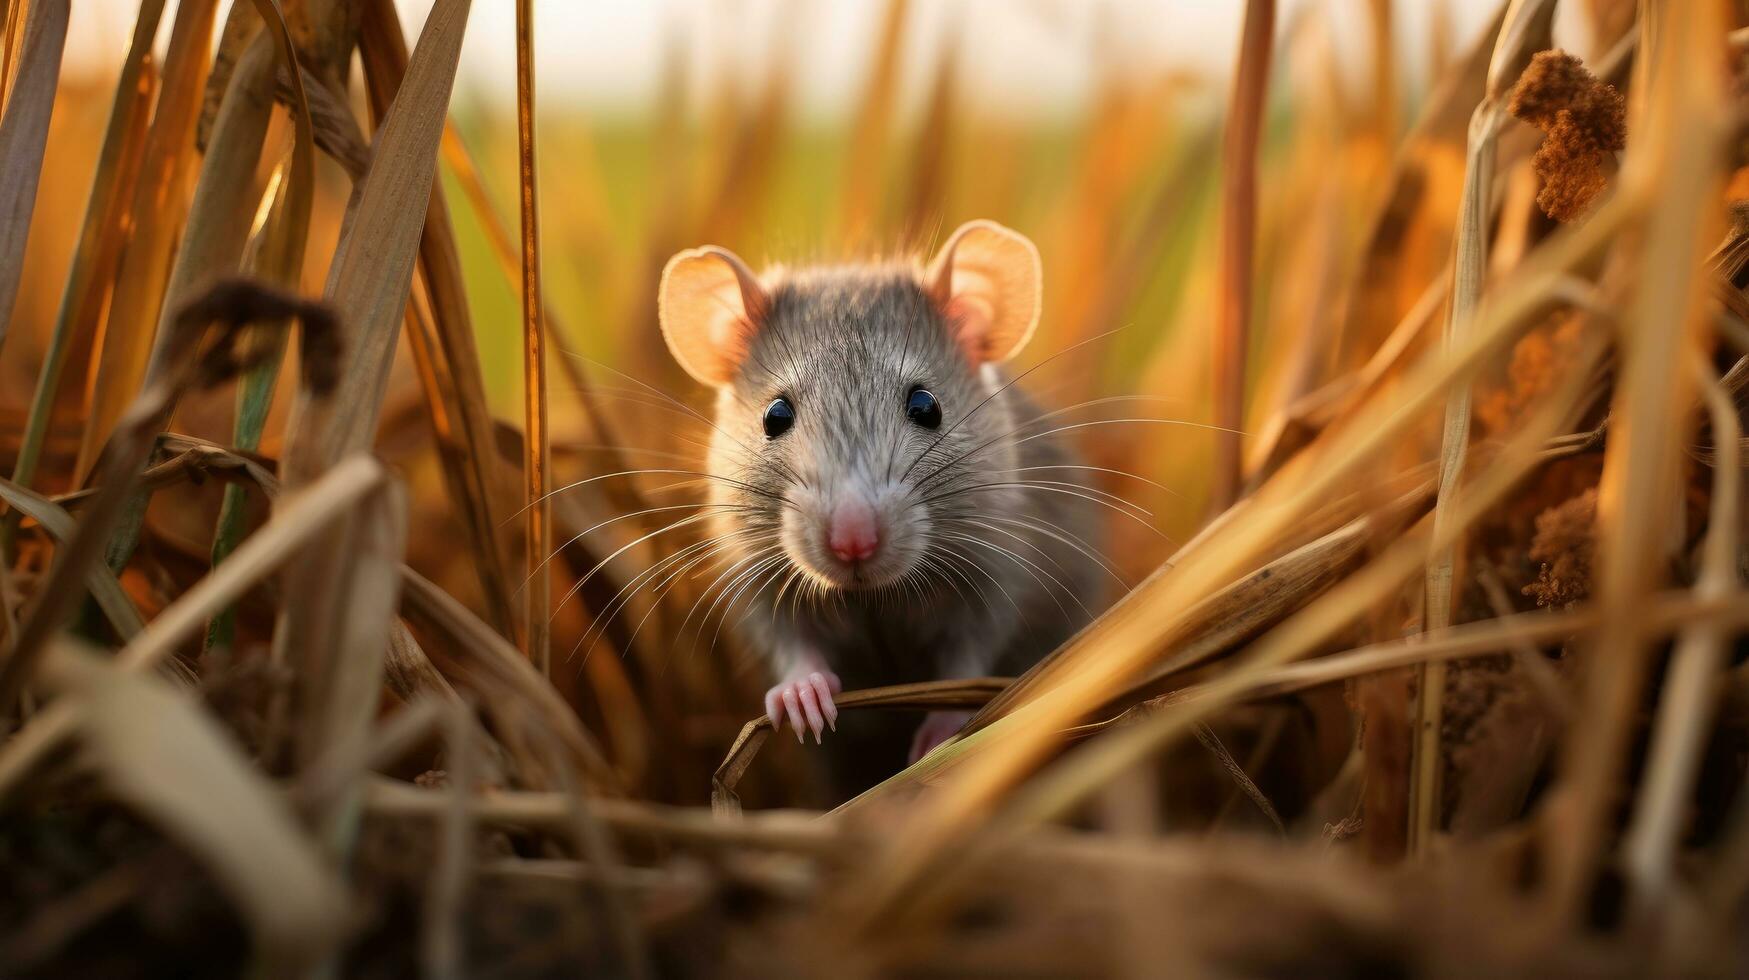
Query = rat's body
x=893 y=503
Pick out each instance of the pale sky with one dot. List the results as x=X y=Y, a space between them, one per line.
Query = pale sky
x=1023 y=55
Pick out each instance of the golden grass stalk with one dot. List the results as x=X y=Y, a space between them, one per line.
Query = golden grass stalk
x=443 y=342
x=318 y=622
x=1664 y=613
x=278 y=259
x=102 y=235
x=536 y=438
x=1238 y=244
x=1524 y=32
x=1688 y=703
x=142 y=300
x=14 y=15
x=1679 y=126
x=504 y=249
x=24 y=131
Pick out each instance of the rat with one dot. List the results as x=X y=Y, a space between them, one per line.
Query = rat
x=902 y=511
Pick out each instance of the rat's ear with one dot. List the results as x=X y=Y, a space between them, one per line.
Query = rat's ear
x=710 y=305
x=989 y=281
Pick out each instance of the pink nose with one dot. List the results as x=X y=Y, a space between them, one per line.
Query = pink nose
x=853 y=533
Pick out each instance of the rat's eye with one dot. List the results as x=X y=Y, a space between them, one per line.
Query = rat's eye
x=779 y=416
x=922 y=409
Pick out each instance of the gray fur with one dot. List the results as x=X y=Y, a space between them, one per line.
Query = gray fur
x=846 y=345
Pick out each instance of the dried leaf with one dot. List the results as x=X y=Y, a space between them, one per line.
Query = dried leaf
x=160 y=751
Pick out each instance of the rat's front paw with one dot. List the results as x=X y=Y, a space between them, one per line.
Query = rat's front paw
x=937 y=727
x=807 y=700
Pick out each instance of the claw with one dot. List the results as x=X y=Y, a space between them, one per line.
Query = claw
x=791 y=702
x=811 y=708
x=824 y=688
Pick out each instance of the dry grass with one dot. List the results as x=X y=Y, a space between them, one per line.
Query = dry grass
x=297 y=675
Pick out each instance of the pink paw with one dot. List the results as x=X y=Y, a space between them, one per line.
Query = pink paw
x=937 y=727
x=807 y=700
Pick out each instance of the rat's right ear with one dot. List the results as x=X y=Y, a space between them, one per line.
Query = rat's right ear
x=710 y=305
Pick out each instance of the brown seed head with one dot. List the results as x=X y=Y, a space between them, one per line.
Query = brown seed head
x=1585 y=120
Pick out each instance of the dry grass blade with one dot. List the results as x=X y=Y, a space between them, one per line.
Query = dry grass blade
x=1687 y=707
x=370 y=585
x=24 y=131
x=1676 y=156
x=372 y=284
x=443 y=341
x=1524 y=32
x=440 y=947
x=261 y=554
x=200 y=361
x=103 y=234
x=1212 y=742
x=279 y=259
x=536 y=438
x=1479 y=639
x=927 y=696
x=1245 y=608
x=12 y=15
x=163 y=755
x=116 y=606
x=149 y=291
x=528 y=714
x=1238 y=241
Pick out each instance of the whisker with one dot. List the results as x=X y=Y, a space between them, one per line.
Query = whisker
x=1028 y=566
x=710 y=547
x=656 y=471
x=1000 y=439
x=672 y=580
x=578 y=587
x=1099 y=469
x=1086 y=425
x=773 y=564
x=1053 y=530
x=732 y=569
x=966 y=560
x=1052 y=489
x=625 y=517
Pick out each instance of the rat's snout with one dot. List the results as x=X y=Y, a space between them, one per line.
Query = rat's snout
x=852 y=535
x=853 y=531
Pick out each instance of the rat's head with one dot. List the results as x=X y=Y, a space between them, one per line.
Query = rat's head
x=856 y=405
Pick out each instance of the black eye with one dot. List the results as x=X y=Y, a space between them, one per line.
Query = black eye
x=779 y=416
x=922 y=409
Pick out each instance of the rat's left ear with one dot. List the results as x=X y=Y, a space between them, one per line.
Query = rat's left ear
x=989 y=281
